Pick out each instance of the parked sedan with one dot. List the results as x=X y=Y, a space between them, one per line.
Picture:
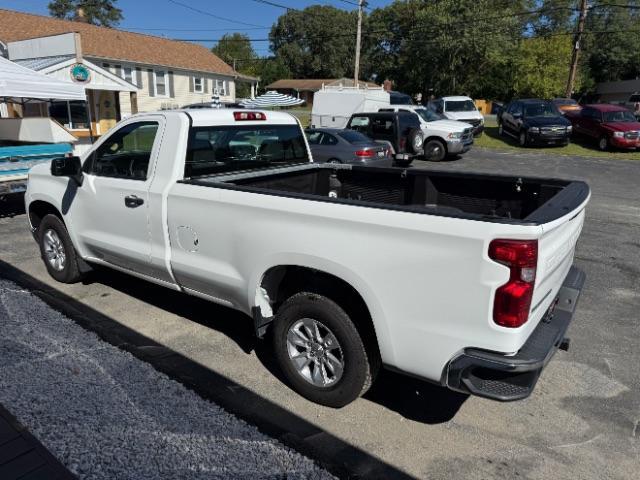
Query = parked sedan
x=612 y=126
x=347 y=146
x=534 y=122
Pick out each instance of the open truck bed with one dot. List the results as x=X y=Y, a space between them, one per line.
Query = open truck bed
x=505 y=199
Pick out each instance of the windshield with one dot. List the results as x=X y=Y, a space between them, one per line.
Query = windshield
x=542 y=109
x=352 y=136
x=460 y=106
x=219 y=149
x=619 y=116
x=428 y=115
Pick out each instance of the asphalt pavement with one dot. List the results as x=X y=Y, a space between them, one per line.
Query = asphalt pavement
x=582 y=421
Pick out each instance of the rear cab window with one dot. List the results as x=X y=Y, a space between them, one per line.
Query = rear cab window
x=221 y=149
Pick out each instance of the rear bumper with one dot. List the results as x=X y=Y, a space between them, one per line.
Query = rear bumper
x=506 y=378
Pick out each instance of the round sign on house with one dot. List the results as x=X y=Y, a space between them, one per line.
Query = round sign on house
x=80 y=73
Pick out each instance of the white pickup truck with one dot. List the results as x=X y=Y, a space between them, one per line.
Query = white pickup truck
x=465 y=280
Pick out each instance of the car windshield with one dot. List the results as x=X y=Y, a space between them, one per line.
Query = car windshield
x=619 y=116
x=460 y=106
x=218 y=149
x=352 y=136
x=428 y=115
x=542 y=109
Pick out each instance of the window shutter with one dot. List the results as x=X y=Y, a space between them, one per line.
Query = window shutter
x=138 y=79
x=172 y=93
x=152 y=87
x=118 y=71
x=205 y=84
x=191 y=82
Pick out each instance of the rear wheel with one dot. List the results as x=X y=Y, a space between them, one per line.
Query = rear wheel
x=415 y=140
x=334 y=160
x=434 y=150
x=320 y=351
x=57 y=251
x=603 y=143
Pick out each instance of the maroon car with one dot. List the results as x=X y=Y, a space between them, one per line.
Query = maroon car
x=612 y=126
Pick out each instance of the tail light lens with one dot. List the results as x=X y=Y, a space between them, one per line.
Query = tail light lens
x=364 y=153
x=246 y=116
x=513 y=299
x=403 y=143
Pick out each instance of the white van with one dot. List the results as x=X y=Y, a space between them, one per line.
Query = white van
x=459 y=108
x=334 y=105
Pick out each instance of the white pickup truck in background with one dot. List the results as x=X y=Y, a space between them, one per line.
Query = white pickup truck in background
x=465 y=280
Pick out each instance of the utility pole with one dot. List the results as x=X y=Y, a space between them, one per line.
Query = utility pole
x=576 y=48
x=356 y=70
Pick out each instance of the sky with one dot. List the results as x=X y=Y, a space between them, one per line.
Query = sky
x=174 y=18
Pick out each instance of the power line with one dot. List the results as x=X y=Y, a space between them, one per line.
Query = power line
x=197 y=10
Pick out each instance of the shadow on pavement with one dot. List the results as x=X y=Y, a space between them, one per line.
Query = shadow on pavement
x=12 y=205
x=337 y=456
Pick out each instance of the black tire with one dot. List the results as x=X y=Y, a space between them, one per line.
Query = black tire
x=522 y=139
x=435 y=150
x=415 y=141
x=358 y=371
x=334 y=160
x=69 y=272
x=603 y=143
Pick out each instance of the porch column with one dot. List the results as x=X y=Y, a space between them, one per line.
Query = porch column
x=253 y=90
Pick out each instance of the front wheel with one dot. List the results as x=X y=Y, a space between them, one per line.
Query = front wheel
x=523 y=139
x=435 y=150
x=57 y=251
x=603 y=143
x=320 y=351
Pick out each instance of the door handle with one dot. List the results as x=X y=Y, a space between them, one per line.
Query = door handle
x=132 y=201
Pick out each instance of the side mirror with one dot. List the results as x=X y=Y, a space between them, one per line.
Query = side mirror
x=67 y=167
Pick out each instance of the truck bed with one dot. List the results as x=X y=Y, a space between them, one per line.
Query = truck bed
x=474 y=196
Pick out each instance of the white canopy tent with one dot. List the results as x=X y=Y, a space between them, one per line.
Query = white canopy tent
x=272 y=99
x=19 y=83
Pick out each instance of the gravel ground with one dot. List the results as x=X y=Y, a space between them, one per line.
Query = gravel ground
x=107 y=415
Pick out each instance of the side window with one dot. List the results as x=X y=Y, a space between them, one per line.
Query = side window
x=382 y=126
x=126 y=153
x=360 y=124
x=328 y=140
x=314 y=137
x=517 y=109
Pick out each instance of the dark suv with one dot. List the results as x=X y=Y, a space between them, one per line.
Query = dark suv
x=400 y=130
x=534 y=122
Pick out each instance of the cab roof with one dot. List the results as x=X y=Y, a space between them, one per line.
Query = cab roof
x=203 y=117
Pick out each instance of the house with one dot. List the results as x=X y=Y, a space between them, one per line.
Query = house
x=123 y=72
x=617 y=92
x=305 y=88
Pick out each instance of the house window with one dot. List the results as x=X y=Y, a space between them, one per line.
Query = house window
x=221 y=87
x=161 y=82
x=129 y=74
x=73 y=115
x=198 y=84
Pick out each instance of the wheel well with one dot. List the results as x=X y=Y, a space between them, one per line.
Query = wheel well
x=284 y=281
x=39 y=209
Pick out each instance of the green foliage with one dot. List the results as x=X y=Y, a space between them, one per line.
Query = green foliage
x=317 y=42
x=236 y=50
x=96 y=12
x=540 y=67
x=272 y=69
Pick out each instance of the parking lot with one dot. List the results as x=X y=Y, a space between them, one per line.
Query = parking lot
x=581 y=422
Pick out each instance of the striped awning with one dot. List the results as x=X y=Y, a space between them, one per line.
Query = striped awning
x=272 y=99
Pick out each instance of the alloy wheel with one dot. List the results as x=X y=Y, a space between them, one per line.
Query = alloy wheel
x=54 y=250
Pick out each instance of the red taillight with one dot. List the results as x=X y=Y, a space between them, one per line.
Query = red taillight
x=239 y=116
x=513 y=299
x=364 y=153
x=403 y=143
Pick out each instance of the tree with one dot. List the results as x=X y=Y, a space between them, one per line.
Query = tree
x=317 y=42
x=95 y=12
x=235 y=49
x=541 y=65
x=272 y=69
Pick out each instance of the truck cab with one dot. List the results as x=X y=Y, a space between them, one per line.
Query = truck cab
x=459 y=108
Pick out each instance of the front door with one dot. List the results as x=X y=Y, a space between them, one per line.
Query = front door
x=111 y=208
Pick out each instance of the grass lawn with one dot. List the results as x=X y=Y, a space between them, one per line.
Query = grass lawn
x=582 y=147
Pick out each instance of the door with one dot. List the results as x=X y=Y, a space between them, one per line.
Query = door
x=314 y=138
x=110 y=212
x=513 y=118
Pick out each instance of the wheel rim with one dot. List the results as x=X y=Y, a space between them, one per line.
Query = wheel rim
x=417 y=143
x=315 y=353
x=54 y=250
x=603 y=144
x=500 y=129
x=434 y=150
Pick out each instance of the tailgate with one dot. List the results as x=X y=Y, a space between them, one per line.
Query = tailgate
x=556 y=249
